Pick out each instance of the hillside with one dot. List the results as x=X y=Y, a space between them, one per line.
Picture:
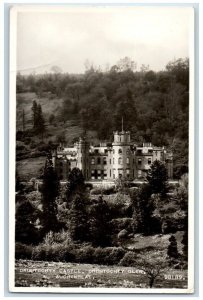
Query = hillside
x=153 y=105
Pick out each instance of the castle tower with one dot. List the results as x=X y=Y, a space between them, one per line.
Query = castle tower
x=83 y=157
x=122 y=156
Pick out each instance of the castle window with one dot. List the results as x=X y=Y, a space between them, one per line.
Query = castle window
x=110 y=172
x=149 y=161
x=92 y=161
x=139 y=161
x=105 y=151
x=110 y=160
x=120 y=151
x=127 y=160
x=113 y=160
x=96 y=151
x=120 y=161
x=113 y=151
x=104 y=160
x=98 y=160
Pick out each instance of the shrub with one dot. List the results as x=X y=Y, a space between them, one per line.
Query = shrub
x=116 y=255
x=109 y=191
x=20 y=147
x=57 y=237
x=122 y=223
x=43 y=148
x=101 y=255
x=33 y=145
x=123 y=234
x=23 y=251
x=128 y=259
x=37 y=154
x=86 y=255
x=55 y=252
x=172 y=225
x=96 y=191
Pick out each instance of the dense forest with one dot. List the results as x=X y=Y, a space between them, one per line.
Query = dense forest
x=154 y=105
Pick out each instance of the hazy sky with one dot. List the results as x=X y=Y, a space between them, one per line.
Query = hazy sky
x=103 y=35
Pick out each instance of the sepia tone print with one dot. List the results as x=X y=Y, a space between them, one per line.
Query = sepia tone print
x=101 y=155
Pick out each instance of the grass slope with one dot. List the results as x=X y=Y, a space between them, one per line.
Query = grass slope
x=30 y=167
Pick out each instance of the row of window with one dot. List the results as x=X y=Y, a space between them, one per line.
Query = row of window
x=98 y=161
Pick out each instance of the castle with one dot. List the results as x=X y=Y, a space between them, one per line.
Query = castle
x=122 y=158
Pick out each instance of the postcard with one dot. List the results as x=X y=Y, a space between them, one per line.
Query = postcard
x=101 y=148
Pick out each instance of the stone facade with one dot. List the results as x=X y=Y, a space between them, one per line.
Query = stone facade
x=110 y=161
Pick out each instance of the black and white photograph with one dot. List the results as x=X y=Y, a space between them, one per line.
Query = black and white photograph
x=101 y=149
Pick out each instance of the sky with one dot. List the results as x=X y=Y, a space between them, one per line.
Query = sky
x=68 y=37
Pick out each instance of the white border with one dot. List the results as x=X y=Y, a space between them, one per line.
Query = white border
x=12 y=114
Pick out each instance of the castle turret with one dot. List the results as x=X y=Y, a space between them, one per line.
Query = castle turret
x=122 y=155
x=83 y=157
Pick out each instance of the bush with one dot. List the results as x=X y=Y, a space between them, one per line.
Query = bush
x=20 y=147
x=55 y=252
x=103 y=190
x=23 y=251
x=33 y=145
x=116 y=254
x=109 y=191
x=128 y=259
x=122 y=223
x=96 y=191
x=86 y=255
x=123 y=234
x=172 y=225
x=108 y=256
x=62 y=237
x=37 y=154
x=43 y=148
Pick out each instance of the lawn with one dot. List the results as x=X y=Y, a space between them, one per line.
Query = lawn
x=59 y=274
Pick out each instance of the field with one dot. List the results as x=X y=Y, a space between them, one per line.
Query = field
x=30 y=167
x=58 y=274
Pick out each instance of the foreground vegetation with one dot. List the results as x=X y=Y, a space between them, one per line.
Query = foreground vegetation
x=51 y=274
x=143 y=227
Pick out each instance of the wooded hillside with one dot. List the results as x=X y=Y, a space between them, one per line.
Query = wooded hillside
x=154 y=105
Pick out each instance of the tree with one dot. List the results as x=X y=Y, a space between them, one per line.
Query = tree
x=50 y=191
x=38 y=119
x=100 y=228
x=151 y=263
x=143 y=207
x=75 y=185
x=79 y=219
x=51 y=118
x=158 y=178
x=25 y=230
x=185 y=245
x=40 y=126
x=126 y=64
x=172 y=251
x=34 y=114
